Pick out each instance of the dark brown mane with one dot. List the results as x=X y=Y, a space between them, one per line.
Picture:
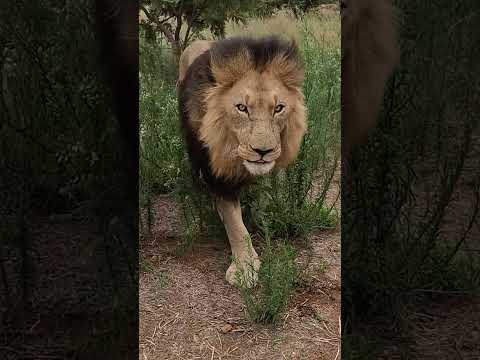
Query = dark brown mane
x=262 y=51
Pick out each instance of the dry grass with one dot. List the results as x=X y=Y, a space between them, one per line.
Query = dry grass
x=323 y=25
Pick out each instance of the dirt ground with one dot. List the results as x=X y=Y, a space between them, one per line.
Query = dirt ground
x=189 y=311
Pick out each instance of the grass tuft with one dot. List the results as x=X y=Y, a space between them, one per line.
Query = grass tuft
x=276 y=279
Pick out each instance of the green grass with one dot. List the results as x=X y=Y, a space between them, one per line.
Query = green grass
x=276 y=278
x=161 y=144
x=160 y=277
x=145 y=265
x=286 y=205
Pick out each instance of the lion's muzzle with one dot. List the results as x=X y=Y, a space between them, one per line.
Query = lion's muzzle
x=259 y=160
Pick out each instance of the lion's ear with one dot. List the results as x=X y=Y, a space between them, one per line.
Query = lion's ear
x=228 y=70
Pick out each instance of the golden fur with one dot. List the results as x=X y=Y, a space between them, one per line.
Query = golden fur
x=369 y=55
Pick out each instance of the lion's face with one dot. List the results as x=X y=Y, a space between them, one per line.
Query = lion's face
x=258 y=107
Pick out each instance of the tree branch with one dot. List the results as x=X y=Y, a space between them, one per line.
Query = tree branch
x=147 y=14
x=195 y=13
x=179 y=27
x=187 y=35
x=167 y=32
x=166 y=19
x=160 y=24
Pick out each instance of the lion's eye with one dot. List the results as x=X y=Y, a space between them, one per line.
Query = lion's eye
x=278 y=108
x=242 y=108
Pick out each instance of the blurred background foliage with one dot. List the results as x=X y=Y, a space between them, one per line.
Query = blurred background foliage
x=411 y=194
x=58 y=135
x=64 y=248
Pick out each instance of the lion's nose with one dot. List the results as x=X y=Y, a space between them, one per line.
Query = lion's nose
x=262 y=152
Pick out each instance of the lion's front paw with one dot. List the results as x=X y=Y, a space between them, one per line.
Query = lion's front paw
x=243 y=273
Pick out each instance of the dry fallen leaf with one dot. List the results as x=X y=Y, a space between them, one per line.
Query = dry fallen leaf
x=226 y=328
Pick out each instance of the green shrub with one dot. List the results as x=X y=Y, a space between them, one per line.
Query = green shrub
x=276 y=279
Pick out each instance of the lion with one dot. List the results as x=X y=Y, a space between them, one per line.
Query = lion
x=243 y=113
x=369 y=55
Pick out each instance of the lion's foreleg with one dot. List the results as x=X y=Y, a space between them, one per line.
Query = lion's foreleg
x=245 y=264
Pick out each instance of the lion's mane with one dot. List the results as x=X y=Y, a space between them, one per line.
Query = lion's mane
x=213 y=71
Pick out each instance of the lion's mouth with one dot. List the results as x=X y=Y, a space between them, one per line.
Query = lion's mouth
x=259 y=167
x=261 y=161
